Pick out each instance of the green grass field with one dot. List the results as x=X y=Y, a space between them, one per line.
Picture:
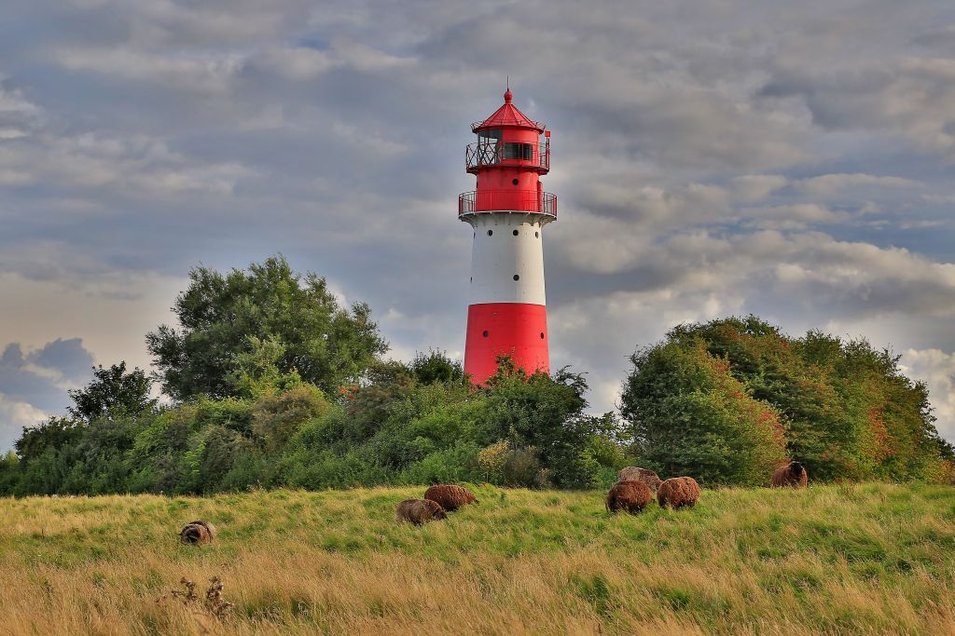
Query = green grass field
x=852 y=559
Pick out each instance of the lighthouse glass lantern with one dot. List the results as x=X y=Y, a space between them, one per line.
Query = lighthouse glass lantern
x=508 y=210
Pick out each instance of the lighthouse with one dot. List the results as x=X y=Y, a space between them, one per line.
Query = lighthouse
x=508 y=210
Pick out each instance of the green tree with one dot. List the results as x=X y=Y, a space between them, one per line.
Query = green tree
x=9 y=473
x=47 y=453
x=267 y=322
x=436 y=366
x=846 y=408
x=112 y=393
x=690 y=416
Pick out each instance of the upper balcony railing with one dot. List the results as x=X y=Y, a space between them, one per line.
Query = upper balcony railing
x=487 y=201
x=496 y=153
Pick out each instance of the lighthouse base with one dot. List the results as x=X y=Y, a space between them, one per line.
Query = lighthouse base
x=518 y=330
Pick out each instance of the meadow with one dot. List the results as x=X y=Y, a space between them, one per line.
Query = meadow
x=853 y=559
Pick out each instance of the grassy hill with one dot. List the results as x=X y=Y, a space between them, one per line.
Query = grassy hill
x=870 y=558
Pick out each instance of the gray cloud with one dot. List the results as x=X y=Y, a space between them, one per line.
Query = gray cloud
x=33 y=385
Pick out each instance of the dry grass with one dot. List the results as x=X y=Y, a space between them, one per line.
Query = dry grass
x=869 y=559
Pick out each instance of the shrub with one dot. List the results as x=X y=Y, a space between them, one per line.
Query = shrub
x=455 y=464
x=491 y=460
x=522 y=467
x=276 y=418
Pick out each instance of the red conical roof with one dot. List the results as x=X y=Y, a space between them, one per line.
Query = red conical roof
x=508 y=115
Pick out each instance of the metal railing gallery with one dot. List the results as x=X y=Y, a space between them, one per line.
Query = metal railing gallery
x=507 y=200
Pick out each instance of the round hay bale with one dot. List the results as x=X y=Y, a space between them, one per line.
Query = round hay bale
x=419 y=511
x=791 y=475
x=197 y=532
x=628 y=496
x=678 y=492
x=449 y=496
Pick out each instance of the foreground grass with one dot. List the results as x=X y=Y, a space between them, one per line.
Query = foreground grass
x=872 y=558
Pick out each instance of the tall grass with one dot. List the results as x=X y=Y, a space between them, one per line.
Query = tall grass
x=865 y=559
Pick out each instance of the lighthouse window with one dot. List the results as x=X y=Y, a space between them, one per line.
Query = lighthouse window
x=515 y=181
x=537 y=234
x=517 y=277
x=542 y=335
x=488 y=147
x=516 y=232
x=485 y=333
x=519 y=151
x=490 y=232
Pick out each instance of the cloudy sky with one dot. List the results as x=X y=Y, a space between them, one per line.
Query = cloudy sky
x=713 y=157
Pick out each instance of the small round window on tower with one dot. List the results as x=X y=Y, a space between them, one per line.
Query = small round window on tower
x=516 y=232
x=517 y=277
x=490 y=232
x=485 y=333
x=542 y=335
x=537 y=234
x=515 y=181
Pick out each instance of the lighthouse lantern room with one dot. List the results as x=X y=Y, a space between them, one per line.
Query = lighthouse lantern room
x=508 y=210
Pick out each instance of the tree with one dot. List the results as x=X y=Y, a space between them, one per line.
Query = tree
x=46 y=452
x=436 y=366
x=846 y=409
x=111 y=393
x=690 y=416
x=267 y=321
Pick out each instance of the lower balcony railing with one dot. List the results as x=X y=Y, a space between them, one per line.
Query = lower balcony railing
x=498 y=200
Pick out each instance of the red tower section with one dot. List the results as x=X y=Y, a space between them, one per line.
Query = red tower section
x=508 y=210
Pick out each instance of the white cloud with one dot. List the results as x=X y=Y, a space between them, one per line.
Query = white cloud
x=937 y=369
x=14 y=417
x=12 y=102
x=797 y=216
x=751 y=188
x=200 y=74
x=830 y=183
x=129 y=166
x=296 y=63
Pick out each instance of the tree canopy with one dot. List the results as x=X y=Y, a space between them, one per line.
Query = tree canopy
x=112 y=392
x=729 y=397
x=267 y=320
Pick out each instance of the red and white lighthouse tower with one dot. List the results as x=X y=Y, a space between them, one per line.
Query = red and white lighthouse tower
x=508 y=212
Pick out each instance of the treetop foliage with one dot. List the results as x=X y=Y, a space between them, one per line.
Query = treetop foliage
x=112 y=392
x=264 y=323
x=718 y=389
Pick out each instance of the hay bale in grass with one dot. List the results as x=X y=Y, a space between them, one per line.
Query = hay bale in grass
x=678 y=492
x=419 y=511
x=791 y=475
x=644 y=475
x=450 y=497
x=629 y=496
x=197 y=532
